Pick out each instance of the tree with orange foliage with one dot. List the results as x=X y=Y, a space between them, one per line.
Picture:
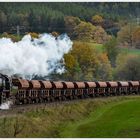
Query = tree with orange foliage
x=103 y=70
x=33 y=34
x=97 y=20
x=70 y=24
x=85 y=63
x=136 y=37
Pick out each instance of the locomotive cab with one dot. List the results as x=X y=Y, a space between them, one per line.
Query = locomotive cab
x=5 y=86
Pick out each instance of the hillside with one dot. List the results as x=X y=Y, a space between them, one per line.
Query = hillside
x=117 y=120
x=48 y=17
x=100 y=117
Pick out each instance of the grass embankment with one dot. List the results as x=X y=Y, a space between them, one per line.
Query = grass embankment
x=108 y=117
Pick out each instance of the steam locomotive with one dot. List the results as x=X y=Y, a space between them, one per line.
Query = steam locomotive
x=21 y=91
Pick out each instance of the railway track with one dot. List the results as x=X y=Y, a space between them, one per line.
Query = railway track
x=21 y=109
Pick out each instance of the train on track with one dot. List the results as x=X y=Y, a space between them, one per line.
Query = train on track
x=21 y=91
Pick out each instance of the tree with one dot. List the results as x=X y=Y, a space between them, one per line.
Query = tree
x=70 y=24
x=33 y=34
x=55 y=34
x=125 y=36
x=136 y=37
x=81 y=62
x=128 y=67
x=99 y=35
x=112 y=50
x=23 y=20
x=17 y=127
x=3 y=21
x=103 y=69
x=72 y=67
x=97 y=20
x=129 y=36
x=84 y=31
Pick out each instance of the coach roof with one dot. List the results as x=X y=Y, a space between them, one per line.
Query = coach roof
x=46 y=84
x=90 y=84
x=134 y=83
x=79 y=84
x=58 y=84
x=21 y=83
x=68 y=84
x=123 y=83
x=102 y=84
x=112 y=83
x=35 y=84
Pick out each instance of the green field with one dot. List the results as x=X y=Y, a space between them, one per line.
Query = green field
x=102 y=117
x=121 y=119
x=100 y=48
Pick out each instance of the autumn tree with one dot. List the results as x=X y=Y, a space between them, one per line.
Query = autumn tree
x=13 y=37
x=125 y=36
x=112 y=50
x=97 y=20
x=136 y=37
x=81 y=62
x=55 y=34
x=129 y=36
x=84 y=31
x=103 y=69
x=99 y=35
x=70 y=24
x=33 y=34
x=72 y=67
x=128 y=67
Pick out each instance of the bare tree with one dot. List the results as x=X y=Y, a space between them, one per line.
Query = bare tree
x=18 y=127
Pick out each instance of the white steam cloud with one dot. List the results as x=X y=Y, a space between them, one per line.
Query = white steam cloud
x=30 y=57
x=6 y=105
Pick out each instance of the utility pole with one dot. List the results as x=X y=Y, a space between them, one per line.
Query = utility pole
x=138 y=20
x=18 y=32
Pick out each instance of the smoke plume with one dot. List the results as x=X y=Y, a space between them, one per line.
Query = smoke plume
x=30 y=57
x=6 y=105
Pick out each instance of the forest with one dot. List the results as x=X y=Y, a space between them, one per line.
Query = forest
x=47 y=17
x=106 y=36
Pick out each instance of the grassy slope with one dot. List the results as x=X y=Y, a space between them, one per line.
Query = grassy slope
x=117 y=120
x=102 y=117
